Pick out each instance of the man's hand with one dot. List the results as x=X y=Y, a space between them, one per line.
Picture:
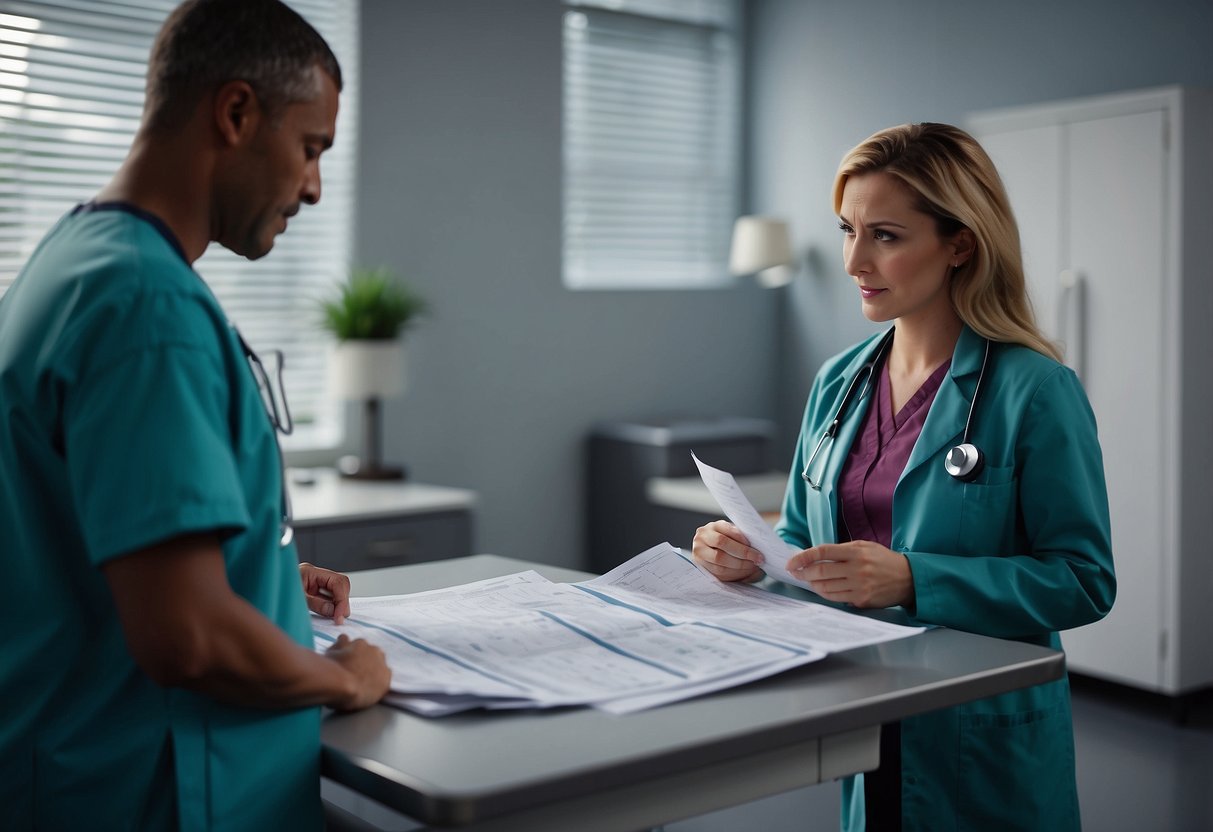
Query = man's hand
x=328 y=592
x=366 y=664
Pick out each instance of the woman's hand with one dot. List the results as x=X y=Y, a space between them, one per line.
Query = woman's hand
x=723 y=550
x=328 y=592
x=860 y=573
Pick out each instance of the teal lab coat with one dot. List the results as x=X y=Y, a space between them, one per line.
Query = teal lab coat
x=1021 y=553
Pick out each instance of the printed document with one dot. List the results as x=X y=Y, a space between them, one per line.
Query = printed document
x=741 y=512
x=653 y=630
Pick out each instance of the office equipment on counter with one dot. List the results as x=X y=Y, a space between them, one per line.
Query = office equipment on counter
x=584 y=769
x=624 y=459
x=764 y=491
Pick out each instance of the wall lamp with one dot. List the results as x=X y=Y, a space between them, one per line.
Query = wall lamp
x=761 y=247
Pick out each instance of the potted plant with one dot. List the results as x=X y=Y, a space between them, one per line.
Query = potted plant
x=368 y=317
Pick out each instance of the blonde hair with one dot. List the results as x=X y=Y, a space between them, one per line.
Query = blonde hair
x=954 y=181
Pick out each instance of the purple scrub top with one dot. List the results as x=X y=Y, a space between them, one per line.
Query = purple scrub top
x=879 y=455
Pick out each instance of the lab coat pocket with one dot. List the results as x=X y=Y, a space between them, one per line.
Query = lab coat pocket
x=988 y=511
x=1017 y=771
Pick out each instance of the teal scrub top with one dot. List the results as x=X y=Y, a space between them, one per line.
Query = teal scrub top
x=130 y=416
x=1022 y=552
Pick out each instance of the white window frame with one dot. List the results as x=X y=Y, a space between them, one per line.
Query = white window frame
x=72 y=76
x=652 y=142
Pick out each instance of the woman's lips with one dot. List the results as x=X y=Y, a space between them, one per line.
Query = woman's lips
x=870 y=293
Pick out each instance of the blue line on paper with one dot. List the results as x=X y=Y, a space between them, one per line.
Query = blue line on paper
x=616 y=602
x=435 y=652
x=613 y=648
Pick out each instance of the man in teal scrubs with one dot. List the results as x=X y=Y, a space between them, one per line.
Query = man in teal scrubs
x=158 y=668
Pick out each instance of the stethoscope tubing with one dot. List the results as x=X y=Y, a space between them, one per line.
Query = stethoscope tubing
x=867 y=371
x=270 y=402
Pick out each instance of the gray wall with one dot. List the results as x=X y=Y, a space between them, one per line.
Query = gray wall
x=460 y=191
x=825 y=74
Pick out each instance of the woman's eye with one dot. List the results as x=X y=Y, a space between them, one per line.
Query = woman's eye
x=883 y=236
x=845 y=229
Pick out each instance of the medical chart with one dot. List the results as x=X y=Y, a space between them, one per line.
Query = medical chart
x=654 y=630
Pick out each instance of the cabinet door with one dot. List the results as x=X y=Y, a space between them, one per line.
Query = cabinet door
x=1089 y=197
x=1030 y=163
x=1116 y=194
x=353 y=546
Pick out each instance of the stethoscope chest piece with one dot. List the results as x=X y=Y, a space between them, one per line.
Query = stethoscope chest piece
x=964 y=462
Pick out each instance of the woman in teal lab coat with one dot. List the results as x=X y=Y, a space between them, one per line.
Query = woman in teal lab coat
x=963 y=482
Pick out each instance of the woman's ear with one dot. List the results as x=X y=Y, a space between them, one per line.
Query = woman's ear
x=236 y=111
x=964 y=243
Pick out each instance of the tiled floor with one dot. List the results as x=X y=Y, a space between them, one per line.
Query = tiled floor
x=1138 y=771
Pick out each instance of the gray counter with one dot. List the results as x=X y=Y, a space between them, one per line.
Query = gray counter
x=585 y=769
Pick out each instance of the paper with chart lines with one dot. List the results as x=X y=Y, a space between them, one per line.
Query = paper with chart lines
x=653 y=630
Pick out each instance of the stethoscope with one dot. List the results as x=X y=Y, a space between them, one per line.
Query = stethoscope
x=280 y=420
x=963 y=462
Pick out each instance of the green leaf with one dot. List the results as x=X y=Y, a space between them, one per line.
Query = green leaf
x=372 y=305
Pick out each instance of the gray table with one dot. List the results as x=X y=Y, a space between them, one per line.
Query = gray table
x=584 y=769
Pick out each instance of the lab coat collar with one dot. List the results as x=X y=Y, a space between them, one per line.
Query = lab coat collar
x=851 y=420
x=946 y=419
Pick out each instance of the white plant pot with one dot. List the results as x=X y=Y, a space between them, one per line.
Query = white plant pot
x=367 y=369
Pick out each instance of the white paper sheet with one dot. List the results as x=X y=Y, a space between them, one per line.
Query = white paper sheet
x=677 y=590
x=741 y=512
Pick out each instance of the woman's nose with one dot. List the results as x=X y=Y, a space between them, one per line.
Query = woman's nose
x=855 y=257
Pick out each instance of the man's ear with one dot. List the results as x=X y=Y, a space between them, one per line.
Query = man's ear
x=236 y=111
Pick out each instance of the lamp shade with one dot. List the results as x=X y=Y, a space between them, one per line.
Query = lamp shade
x=759 y=243
x=367 y=369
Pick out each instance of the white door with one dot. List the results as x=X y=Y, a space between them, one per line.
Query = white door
x=1089 y=197
x=1116 y=215
x=1030 y=163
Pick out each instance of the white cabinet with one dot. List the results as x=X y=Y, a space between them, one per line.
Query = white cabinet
x=1114 y=198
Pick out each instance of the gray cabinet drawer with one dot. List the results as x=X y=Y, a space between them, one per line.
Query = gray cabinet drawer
x=305 y=545
x=374 y=544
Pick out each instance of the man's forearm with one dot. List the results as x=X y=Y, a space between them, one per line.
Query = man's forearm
x=187 y=628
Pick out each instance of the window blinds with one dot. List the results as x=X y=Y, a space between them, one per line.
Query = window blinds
x=651 y=147
x=71 y=94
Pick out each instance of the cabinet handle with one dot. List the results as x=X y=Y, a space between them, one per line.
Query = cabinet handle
x=1072 y=308
x=390 y=549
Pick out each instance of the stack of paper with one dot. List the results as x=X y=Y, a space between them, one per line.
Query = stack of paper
x=653 y=630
